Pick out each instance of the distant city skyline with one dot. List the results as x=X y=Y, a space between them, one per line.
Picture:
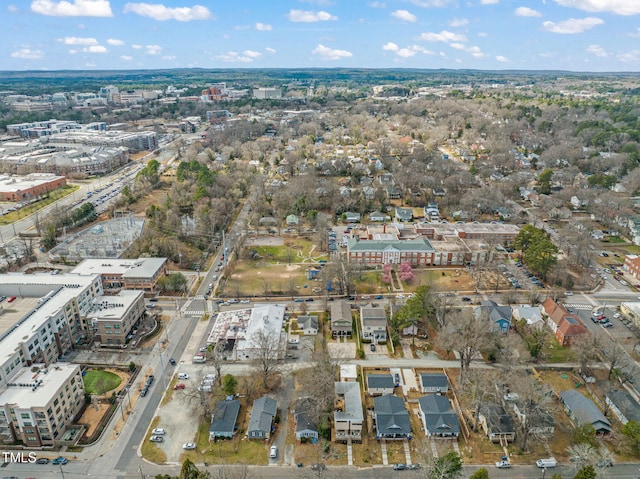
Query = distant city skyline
x=574 y=35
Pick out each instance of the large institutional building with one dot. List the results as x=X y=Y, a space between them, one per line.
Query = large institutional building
x=428 y=244
x=29 y=187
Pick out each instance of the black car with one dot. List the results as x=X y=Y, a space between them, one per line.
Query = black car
x=150 y=379
x=144 y=392
x=399 y=467
x=43 y=460
x=172 y=361
x=466 y=299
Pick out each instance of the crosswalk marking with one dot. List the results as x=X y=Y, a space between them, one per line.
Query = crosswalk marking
x=195 y=313
x=580 y=306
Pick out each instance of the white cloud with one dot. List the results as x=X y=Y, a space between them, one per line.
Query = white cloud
x=630 y=57
x=307 y=16
x=390 y=46
x=136 y=46
x=78 y=41
x=236 y=57
x=252 y=54
x=326 y=53
x=270 y=50
x=457 y=46
x=126 y=58
x=153 y=49
x=502 y=59
x=169 y=57
x=377 y=4
x=406 y=53
x=263 y=27
x=12 y=9
x=489 y=2
x=458 y=22
x=474 y=50
x=482 y=34
x=95 y=49
x=28 y=54
x=73 y=51
x=115 y=42
x=90 y=65
x=72 y=8
x=443 y=36
x=161 y=12
x=404 y=15
x=597 y=50
x=620 y=7
x=527 y=12
x=572 y=25
x=635 y=34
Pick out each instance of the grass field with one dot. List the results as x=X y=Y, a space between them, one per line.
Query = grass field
x=99 y=382
x=27 y=210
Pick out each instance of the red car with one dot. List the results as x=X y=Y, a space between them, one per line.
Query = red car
x=11 y=299
x=179 y=386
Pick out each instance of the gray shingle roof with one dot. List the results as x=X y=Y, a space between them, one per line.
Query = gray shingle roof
x=352 y=402
x=391 y=415
x=308 y=322
x=377 y=381
x=341 y=315
x=263 y=412
x=440 y=418
x=626 y=404
x=584 y=410
x=224 y=417
x=434 y=380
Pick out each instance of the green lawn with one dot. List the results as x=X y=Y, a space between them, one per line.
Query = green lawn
x=554 y=353
x=99 y=382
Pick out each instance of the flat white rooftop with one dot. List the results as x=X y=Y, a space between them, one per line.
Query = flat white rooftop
x=26 y=396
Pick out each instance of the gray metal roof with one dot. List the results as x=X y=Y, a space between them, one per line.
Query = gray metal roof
x=391 y=415
x=225 y=415
x=262 y=414
x=584 y=410
x=145 y=268
x=352 y=402
x=378 y=381
x=626 y=404
x=417 y=245
x=439 y=415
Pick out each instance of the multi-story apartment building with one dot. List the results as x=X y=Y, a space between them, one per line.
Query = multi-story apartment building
x=40 y=402
x=112 y=318
x=117 y=274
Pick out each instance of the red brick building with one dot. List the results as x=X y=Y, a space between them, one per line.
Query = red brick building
x=21 y=188
x=632 y=265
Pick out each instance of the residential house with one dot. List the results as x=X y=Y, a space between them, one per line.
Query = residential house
x=391 y=418
x=266 y=221
x=583 y=411
x=439 y=191
x=369 y=192
x=393 y=192
x=544 y=421
x=632 y=265
x=377 y=216
x=404 y=214
x=565 y=326
x=634 y=228
x=341 y=319
x=623 y=405
x=347 y=415
x=504 y=212
x=531 y=314
x=498 y=316
x=496 y=423
x=373 y=324
x=432 y=212
x=223 y=419
x=308 y=324
x=303 y=413
x=434 y=383
x=385 y=178
x=261 y=420
x=438 y=417
x=352 y=217
x=292 y=220
x=380 y=384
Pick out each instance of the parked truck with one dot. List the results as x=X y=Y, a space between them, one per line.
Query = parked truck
x=547 y=463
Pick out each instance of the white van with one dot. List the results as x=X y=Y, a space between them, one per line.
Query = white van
x=209 y=376
x=205 y=389
x=547 y=463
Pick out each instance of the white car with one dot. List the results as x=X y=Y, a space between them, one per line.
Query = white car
x=189 y=446
x=273 y=452
x=183 y=376
x=156 y=439
x=503 y=465
x=159 y=431
x=617 y=316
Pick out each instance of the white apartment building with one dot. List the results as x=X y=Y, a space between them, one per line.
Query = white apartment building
x=40 y=402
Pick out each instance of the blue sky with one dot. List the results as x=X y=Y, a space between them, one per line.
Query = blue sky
x=577 y=35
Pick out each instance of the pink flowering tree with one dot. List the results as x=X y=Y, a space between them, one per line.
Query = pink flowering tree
x=386 y=273
x=406 y=272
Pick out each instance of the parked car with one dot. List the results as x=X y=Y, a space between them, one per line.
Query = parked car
x=179 y=386
x=172 y=361
x=466 y=299
x=604 y=463
x=159 y=431
x=189 y=446
x=273 y=452
x=378 y=296
x=503 y=464
x=156 y=439
x=399 y=467
x=373 y=347
x=43 y=460
x=59 y=460
x=183 y=376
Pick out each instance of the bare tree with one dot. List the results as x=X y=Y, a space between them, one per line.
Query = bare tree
x=216 y=355
x=266 y=361
x=478 y=388
x=238 y=471
x=467 y=335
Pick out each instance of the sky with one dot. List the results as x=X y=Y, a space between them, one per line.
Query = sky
x=574 y=35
